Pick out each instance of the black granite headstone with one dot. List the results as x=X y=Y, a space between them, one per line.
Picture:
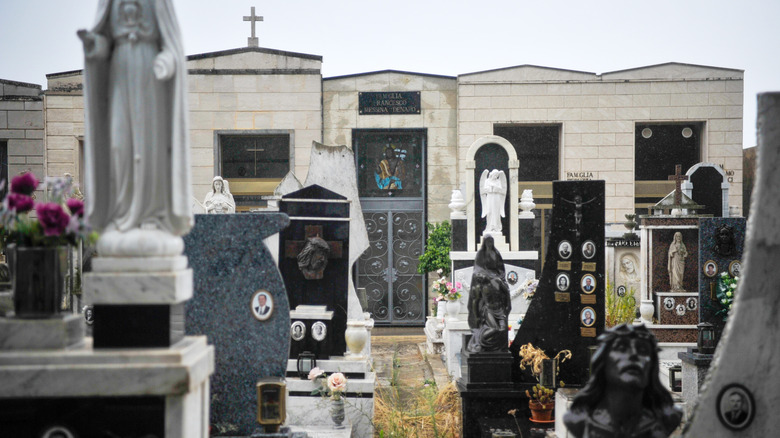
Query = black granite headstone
x=567 y=312
x=721 y=242
x=707 y=191
x=317 y=212
x=230 y=265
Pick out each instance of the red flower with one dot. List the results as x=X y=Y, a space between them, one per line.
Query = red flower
x=53 y=218
x=24 y=184
x=75 y=206
x=19 y=203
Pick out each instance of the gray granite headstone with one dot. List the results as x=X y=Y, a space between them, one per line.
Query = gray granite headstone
x=723 y=252
x=230 y=263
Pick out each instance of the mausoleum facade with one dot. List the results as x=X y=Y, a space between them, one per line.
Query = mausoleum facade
x=255 y=112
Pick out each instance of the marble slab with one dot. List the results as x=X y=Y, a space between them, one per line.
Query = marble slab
x=171 y=287
x=138 y=264
x=84 y=372
x=61 y=331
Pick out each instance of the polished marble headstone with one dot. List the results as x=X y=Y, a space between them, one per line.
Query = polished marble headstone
x=316 y=212
x=231 y=264
x=567 y=311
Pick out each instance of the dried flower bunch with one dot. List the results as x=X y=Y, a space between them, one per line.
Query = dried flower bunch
x=333 y=386
x=57 y=222
x=533 y=357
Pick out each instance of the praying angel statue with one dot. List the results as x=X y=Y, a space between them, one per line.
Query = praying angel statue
x=492 y=191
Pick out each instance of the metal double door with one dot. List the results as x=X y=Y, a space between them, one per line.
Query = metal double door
x=395 y=292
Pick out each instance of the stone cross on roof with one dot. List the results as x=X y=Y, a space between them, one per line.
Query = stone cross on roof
x=253 y=40
x=678 y=178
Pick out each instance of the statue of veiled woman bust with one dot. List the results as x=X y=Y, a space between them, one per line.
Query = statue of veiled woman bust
x=489 y=301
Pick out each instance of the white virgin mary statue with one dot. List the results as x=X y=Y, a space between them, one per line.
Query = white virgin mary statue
x=492 y=191
x=219 y=199
x=137 y=178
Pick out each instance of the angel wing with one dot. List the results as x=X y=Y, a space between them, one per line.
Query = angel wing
x=502 y=178
x=483 y=192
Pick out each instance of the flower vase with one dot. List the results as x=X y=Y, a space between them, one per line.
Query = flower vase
x=356 y=337
x=441 y=310
x=38 y=279
x=453 y=308
x=337 y=413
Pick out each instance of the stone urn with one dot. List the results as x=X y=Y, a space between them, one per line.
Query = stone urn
x=356 y=336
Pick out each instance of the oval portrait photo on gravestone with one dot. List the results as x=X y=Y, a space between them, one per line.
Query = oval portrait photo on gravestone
x=588 y=249
x=736 y=407
x=588 y=316
x=621 y=291
x=710 y=268
x=297 y=330
x=735 y=268
x=262 y=305
x=564 y=249
x=588 y=283
x=562 y=281
x=319 y=331
x=511 y=277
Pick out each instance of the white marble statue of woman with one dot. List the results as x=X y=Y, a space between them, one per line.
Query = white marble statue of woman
x=492 y=190
x=219 y=199
x=676 y=264
x=137 y=177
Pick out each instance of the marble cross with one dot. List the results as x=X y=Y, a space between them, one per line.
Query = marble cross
x=678 y=178
x=253 y=40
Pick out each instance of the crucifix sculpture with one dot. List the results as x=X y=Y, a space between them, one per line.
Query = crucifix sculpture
x=253 y=41
x=313 y=253
x=678 y=178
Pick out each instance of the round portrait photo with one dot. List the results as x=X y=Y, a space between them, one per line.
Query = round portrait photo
x=588 y=249
x=564 y=249
x=562 y=281
x=735 y=268
x=318 y=331
x=621 y=291
x=736 y=407
x=668 y=303
x=588 y=283
x=89 y=315
x=588 y=316
x=297 y=330
x=511 y=277
x=262 y=305
x=710 y=268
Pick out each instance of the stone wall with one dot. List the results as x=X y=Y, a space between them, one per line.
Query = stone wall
x=22 y=126
x=231 y=90
x=64 y=124
x=438 y=114
x=598 y=114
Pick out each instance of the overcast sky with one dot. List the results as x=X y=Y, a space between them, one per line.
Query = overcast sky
x=449 y=37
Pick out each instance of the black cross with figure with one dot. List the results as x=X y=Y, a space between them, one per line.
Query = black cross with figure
x=253 y=41
x=678 y=178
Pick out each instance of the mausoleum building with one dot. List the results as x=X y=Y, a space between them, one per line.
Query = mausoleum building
x=254 y=113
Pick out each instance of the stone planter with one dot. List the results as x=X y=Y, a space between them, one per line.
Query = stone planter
x=38 y=279
x=356 y=336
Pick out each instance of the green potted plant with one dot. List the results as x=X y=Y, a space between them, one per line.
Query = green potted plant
x=437 y=250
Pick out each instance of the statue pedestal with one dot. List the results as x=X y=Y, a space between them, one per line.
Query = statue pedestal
x=489 y=367
x=499 y=240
